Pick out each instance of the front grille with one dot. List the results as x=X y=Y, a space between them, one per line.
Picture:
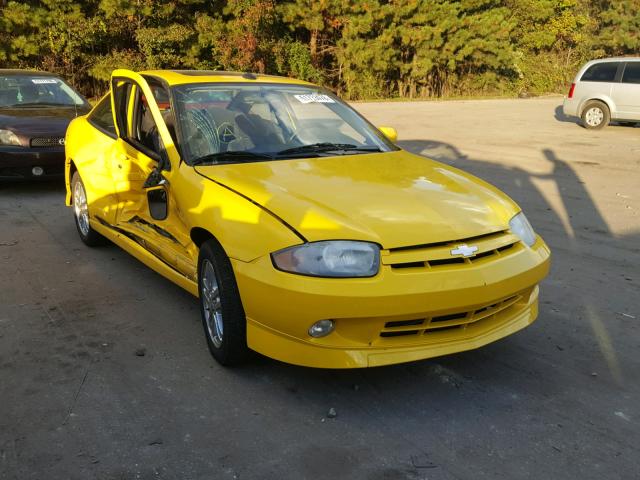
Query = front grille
x=47 y=142
x=438 y=255
x=453 y=321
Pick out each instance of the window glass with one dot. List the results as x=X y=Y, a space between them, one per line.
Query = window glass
x=601 y=72
x=121 y=99
x=102 y=116
x=631 y=73
x=24 y=90
x=145 y=132
x=216 y=118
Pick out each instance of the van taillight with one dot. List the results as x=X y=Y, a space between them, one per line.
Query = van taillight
x=573 y=87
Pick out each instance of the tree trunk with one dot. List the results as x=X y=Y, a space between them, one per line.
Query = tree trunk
x=313 y=46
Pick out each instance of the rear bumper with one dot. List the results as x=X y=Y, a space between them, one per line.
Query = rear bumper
x=375 y=319
x=18 y=162
x=570 y=107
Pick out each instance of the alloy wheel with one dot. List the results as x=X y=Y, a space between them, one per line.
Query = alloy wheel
x=211 y=304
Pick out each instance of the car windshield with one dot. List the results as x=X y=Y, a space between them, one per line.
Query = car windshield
x=36 y=90
x=234 y=123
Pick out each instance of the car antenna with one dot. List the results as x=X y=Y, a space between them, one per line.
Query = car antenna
x=249 y=76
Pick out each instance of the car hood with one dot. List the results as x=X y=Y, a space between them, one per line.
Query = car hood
x=395 y=199
x=41 y=121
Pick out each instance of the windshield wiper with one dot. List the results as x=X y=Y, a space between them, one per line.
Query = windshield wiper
x=231 y=157
x=326 y=147
x=41 y=104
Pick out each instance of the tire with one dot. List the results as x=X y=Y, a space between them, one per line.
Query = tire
x=223 y=318
x=595 y=115
x=81 y=214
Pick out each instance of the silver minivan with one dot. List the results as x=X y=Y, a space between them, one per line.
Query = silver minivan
x=605 y=90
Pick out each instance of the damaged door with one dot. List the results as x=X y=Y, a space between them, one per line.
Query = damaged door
x=144 y=162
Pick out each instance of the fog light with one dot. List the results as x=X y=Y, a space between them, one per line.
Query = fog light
x=37 y=171
x=321 y=328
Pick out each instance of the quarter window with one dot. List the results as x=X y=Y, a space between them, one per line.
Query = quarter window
x=601 y=72
x=102 y=116
x=631 y=73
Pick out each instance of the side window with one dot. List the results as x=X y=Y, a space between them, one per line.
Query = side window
x=631 y=73
x=145 y=132
x=134 y=116
x=122 y=99
x=601 y=72
x=102 y=116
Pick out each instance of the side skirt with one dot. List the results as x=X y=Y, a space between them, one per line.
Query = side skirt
x=150 y=260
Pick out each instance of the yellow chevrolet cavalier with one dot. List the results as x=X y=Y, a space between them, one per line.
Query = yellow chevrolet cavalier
x=306 y=234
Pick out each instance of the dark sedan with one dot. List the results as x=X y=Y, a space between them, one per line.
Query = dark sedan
x=35 y=110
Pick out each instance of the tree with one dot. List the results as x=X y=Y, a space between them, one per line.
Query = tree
x=425 y=48
x=552 y=40
x=362 y=49
x=620 y=27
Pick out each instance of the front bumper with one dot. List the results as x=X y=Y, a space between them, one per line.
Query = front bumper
x=476 y=305
x=18 y=162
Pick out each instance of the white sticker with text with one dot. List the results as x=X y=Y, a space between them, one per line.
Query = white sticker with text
x=39 y=81
x=314 y=98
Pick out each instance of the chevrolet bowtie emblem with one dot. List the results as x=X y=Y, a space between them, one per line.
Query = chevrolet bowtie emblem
x=464 y=250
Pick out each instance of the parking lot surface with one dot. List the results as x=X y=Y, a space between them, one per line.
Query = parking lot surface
x=104 y=370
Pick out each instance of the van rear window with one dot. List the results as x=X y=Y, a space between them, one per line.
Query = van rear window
x=601 y=72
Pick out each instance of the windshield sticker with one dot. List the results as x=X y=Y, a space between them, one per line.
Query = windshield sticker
x=39 y=81
x=314 y=98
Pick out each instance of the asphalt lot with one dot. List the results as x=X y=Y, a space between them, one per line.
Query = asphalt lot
x=559 y=400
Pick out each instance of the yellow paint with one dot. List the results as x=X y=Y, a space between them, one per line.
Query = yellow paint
x=390 y=133
x=394 y=199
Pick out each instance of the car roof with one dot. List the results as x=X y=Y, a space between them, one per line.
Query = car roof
x=17 y=71
x=615 y=59
x=180 y=77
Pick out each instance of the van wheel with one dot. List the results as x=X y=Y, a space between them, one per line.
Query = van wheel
x=595 y=115
x=81 y=214
x=223 y=317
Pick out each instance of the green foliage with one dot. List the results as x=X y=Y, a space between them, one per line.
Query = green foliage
x=361 y=49
x=620 y=32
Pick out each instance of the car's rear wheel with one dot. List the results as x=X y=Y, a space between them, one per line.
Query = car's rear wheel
x=223 y=318
x=81 y=213
x=595 y=115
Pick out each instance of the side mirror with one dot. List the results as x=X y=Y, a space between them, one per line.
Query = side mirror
x=390 y=133
x=158 y=202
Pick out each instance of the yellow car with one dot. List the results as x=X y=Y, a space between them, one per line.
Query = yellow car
x=306 y=234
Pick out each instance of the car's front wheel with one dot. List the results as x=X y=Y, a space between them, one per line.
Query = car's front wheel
x=595 y=115
x=81 y=213
x=223 y=318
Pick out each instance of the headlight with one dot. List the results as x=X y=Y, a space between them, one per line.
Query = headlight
x=338 y=258
x=7 y=137
x=522 y=228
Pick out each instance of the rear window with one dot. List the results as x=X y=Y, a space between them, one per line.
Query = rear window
x=631 y=73
x=102 y=116
x=601 y=72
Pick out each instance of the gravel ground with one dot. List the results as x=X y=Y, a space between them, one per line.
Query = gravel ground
x=104 y=371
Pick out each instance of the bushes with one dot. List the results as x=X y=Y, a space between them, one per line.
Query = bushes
x=372 y=49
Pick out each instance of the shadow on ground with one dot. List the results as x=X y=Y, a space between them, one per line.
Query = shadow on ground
x=529 y=403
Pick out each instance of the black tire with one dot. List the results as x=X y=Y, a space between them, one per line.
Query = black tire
x=595 y=115
x=230 y=348
x=87 y=234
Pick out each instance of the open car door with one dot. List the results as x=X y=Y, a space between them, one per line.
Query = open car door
x=145 y=160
